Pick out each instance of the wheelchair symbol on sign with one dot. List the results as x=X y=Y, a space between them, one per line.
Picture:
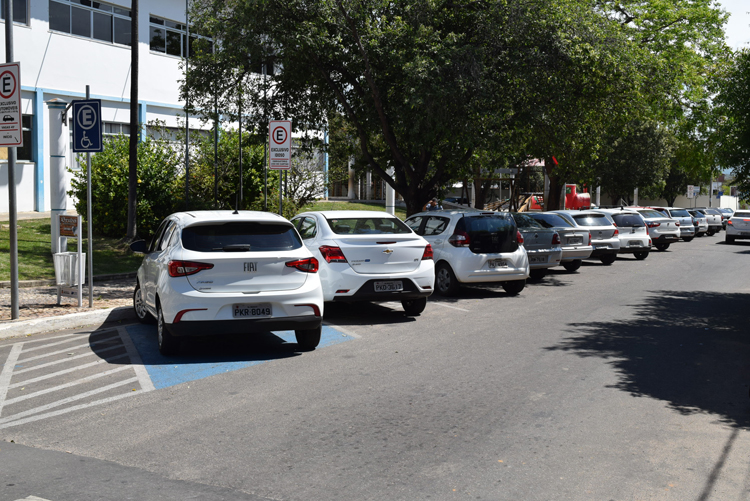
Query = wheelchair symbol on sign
x=85 y=141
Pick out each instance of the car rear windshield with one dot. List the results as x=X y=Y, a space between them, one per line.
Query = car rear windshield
x=551 y=220
x=365 y=225
x=651 y=213
x=240 y=237
x=591 y=220
x=489 y=233
x=628 y=220
x=526 y=222
x=679 y=213
x=741 y=214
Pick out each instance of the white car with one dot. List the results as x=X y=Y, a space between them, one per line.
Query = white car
x=662 y=229
x=369 y=256
x=738 y=226
x=219 y=272
x=471 y=246
x=632 y=231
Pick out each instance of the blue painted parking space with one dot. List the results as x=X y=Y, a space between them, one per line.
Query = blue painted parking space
x=204 y=357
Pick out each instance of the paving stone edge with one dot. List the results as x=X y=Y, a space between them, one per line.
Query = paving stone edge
x=5 y=284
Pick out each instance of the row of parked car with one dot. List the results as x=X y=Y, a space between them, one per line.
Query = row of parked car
x=216 y=272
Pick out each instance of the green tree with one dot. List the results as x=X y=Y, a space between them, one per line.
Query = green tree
x=157 y=171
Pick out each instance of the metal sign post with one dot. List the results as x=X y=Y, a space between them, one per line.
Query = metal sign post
x=87 y=137
x=280 y=151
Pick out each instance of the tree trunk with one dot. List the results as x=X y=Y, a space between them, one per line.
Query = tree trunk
x=555 y=186
x=135 y=127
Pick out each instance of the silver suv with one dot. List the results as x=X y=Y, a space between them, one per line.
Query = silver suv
x=470 y=246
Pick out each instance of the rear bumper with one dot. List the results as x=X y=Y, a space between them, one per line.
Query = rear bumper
x=243 y=326
x=665 y=239
x=367 y=292
x=575 y=253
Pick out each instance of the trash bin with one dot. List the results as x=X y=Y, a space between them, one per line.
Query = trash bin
x=66 y=268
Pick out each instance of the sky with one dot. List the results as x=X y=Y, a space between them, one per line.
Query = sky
x=738 y=26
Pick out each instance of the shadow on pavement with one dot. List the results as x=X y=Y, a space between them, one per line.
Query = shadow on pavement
x=689 y=349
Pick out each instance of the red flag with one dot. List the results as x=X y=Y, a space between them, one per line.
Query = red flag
x=554 y=160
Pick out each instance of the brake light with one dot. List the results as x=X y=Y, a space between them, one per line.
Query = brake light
x=309 y=265
x=589 y=243
x=653 y=225
x=460 y=239
x=556 y=239
x=427 y=254
x=729 y=221
x=519 y=237
x=185 y=268
x=332 y=254
x=617 y=232
x=677 y=223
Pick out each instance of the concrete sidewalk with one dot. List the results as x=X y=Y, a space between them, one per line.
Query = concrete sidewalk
x=93 y=319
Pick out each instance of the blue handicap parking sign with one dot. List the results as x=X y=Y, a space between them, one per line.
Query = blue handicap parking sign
x=87 y=125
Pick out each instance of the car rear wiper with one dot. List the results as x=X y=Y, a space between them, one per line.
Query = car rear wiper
x=234 y=248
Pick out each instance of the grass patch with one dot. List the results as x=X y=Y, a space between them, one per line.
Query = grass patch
x=35 y=256
x=344 y=205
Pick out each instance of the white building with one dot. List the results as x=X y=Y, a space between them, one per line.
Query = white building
x=64 y=45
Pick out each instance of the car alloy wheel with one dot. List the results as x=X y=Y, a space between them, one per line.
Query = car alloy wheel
x=141 y=312
x=445 y=280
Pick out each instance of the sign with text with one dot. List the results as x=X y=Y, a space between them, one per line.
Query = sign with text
x=691 y=191
x=87 y=125
x=68 y=226
x=280 y=144
x=11 y=133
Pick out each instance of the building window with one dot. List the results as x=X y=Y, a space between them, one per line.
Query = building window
x=169 y=37
x=20 y=11
x=114 y=129
x=88 y=19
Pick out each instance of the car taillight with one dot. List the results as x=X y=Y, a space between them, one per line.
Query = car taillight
x=677 y=223
x=556 y=239
x=427 y=254
x=332 y=254
x=519 y=237
x=460 y=239
x=589 y=238
x=617 y=232
x=185 y=268
x=308 y=265
x=729 y=221
x=653 y=225
x=695 y=222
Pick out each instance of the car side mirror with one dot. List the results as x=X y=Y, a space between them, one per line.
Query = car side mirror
x=139 y=246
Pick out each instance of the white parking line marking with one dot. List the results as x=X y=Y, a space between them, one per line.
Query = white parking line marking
x=68 y=400
x=50 y=344
x=7 y=372
x=135 y=360
x=451 y=307
x=52 y=338
x=76 y=347
x=66 y=371
x=343 y=330
x=40 y=366
x=68 y=409
x=66 y=385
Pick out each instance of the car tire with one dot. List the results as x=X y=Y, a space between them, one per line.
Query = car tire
x=688 y=239
x=538 y=274
x=572 y=265
x=139 y=306
x=640 y=255
x=446 y=283
x=729 y=239
x=662 y=247
x=413 y=307
x=608 y=258
x=308 y=339
x=711 y=233
x=169 y=344
x=514 y=287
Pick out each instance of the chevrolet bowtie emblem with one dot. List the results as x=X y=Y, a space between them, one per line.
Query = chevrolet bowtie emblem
x=388 y=251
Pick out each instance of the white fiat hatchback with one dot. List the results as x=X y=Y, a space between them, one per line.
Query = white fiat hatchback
x=222 y=272
x=369 y=256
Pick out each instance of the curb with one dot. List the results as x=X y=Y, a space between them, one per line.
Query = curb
x=16 y=328
x=22 y=284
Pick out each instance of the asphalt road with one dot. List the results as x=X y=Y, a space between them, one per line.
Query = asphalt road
x=622 y=382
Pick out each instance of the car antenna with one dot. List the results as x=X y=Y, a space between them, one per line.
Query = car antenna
x=236 y=204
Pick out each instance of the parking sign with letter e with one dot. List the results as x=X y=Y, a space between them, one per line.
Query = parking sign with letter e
x=87 y=125
x=10 y=105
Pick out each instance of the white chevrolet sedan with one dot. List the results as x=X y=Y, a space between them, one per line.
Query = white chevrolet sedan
x=369 y=256
x=222 y=272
